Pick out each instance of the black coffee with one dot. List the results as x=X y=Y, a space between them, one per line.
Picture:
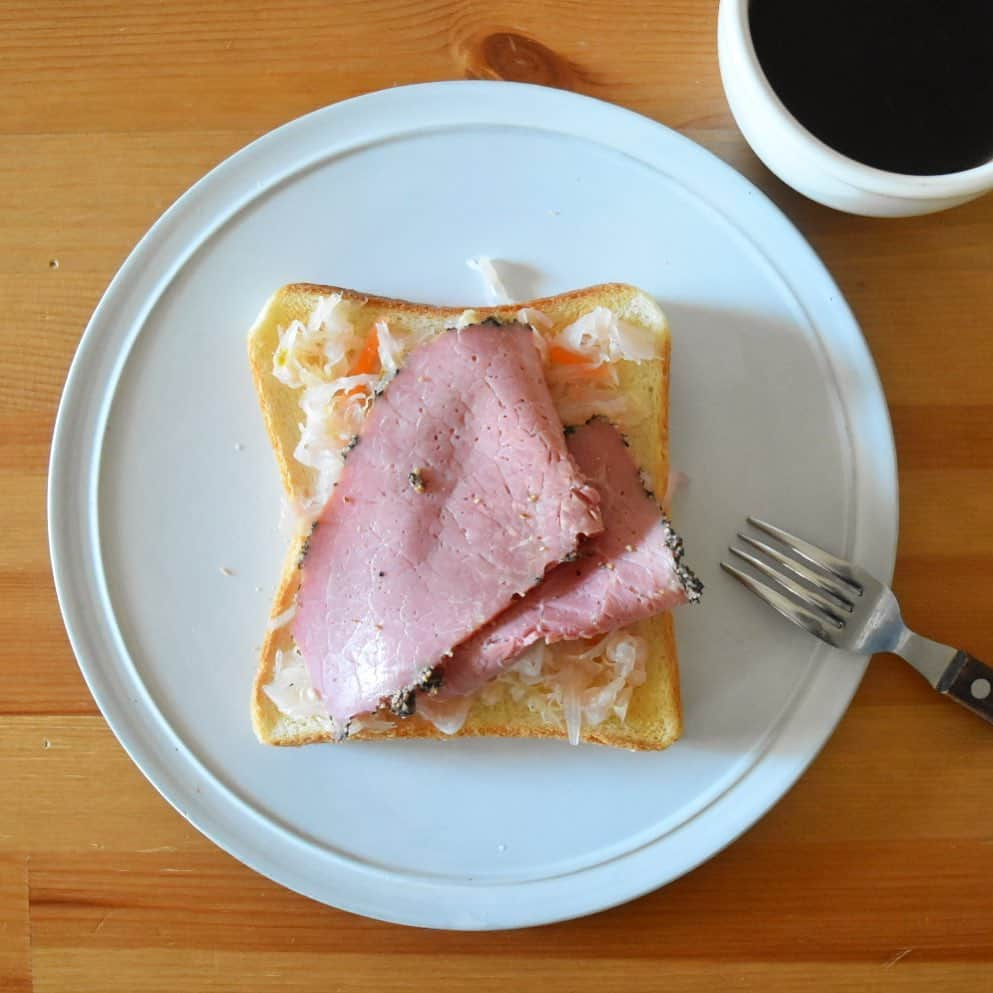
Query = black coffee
x=903 y=85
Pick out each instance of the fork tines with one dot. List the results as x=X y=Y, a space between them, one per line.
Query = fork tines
x=813 y=588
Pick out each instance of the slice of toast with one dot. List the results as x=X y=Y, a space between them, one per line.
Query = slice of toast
x=654 y=718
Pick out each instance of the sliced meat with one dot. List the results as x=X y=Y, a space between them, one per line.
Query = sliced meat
x=631 y=571
x=458 y=497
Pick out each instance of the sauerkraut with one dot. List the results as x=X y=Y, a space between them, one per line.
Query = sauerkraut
x=448 y=716
x=281 y=620
x=370 y=723
x=576 y=404
x=602 y=336
x=497 y=292
x=580 y=687
x=316 y=357
x=587 y=385
x=576 y=684
x=291 y=689
x=536 y=318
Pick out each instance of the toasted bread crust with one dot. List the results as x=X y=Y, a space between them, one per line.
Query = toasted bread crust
x=654 y=718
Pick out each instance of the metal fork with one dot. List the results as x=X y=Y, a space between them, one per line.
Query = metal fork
x=843 y=605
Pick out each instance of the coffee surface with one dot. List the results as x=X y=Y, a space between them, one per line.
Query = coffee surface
x=902 y=85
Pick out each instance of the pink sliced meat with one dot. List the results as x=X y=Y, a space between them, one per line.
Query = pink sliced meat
x=630 y=571
x=458 y=497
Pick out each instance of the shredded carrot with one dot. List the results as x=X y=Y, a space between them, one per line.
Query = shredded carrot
x=601 y=373
x=367 y=361
x=558 y=355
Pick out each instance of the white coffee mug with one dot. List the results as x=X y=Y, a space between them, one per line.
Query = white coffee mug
x=805 y=162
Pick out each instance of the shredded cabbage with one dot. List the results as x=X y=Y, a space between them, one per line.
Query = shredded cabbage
x=316 y=352
x=483 y=264
x=464 y=319
x=315 y=356
x=583 y=687
x=293 y=693
x=291 y=689
x=491 y=693
x=589 y=389
x=570 y=686
x=536 y=318
x=281 y=620
x=390 y=352
x=602 y=336
x=541 y=343
x=294 y=518
x=529 y=664
x=333 y=416
x=580 y=687
x=448 y=716
x=577 y=405
x=370 y=722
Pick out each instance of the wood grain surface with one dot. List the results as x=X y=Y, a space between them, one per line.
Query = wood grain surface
x=874 y=873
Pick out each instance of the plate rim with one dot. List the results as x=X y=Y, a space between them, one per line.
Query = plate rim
x=63 y=516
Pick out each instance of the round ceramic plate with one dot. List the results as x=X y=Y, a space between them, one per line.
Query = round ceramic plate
x=162 y=477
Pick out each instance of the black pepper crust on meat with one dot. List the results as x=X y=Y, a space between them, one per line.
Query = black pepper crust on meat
x=403 y=703
x=491 y=321
x=430 y=680
x=649 y=492
x=691 y=583
x=688 y=579
x=305 y=547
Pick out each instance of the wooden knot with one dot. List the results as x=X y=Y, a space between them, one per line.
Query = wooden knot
x=519 y=59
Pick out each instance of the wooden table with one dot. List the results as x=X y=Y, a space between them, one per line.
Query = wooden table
x=874 y=873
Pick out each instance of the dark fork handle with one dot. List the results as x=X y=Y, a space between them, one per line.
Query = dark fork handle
x=970 y=683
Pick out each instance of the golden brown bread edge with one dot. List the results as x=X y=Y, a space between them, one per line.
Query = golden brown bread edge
x=654 y=718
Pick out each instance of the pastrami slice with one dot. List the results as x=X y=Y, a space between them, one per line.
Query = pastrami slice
x=630 y=571
x=458 y=497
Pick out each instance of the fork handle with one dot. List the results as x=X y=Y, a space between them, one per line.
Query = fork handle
x=969 y=682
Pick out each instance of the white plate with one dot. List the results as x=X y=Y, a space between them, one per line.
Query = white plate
x=776 y=410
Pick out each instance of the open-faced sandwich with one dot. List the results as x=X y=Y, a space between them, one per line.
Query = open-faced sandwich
x=478 y=543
